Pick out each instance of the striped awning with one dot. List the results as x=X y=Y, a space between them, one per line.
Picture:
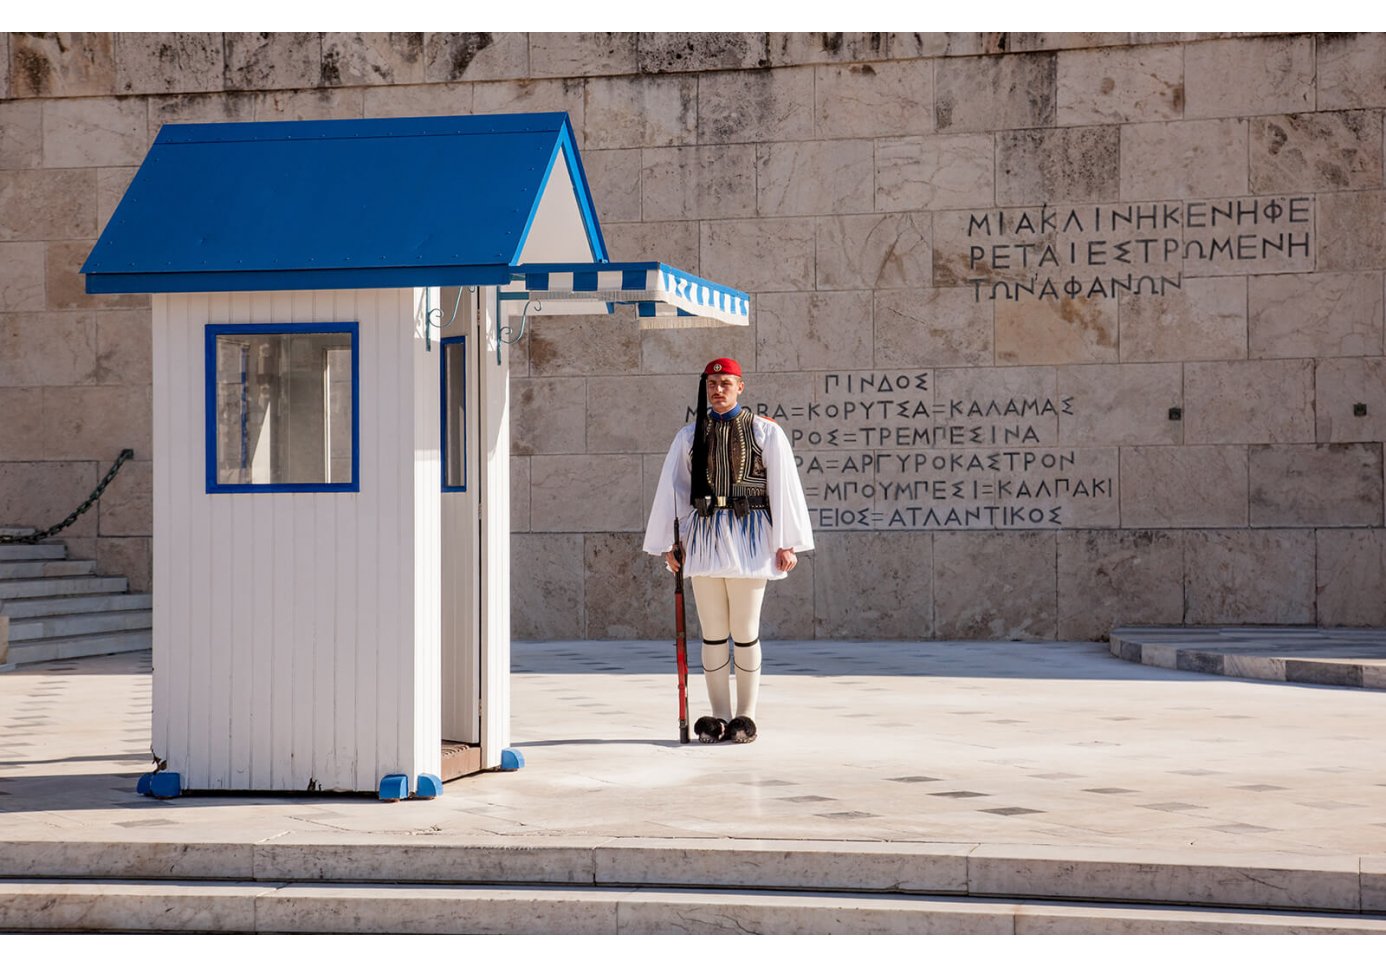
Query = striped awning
x=664 y=297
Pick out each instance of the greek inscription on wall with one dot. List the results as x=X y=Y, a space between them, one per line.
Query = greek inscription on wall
x=880 y=450
x=1104 y=250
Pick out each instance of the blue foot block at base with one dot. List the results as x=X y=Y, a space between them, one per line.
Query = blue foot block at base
x=394 y=786
x=166 y=786
x=428 y=787
x=142 y=784
x=511 y=759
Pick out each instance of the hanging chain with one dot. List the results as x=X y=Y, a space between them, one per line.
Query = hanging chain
x=82 y=508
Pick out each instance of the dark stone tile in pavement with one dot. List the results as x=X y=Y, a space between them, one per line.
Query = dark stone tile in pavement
x=959 y=794
x=806 y=798
x=914 y=779
x=1108 y=790
x=1207 y=662
x=1323 y=673
x=1010 y=811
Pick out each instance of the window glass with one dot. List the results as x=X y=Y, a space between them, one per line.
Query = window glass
x=455 y=413
x=285 y=413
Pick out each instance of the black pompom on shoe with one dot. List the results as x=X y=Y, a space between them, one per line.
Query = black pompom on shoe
x=741 y=730
x=710 y=730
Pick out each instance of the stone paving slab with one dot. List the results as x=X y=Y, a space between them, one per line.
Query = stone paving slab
x=937 y=766
x=1330 y=657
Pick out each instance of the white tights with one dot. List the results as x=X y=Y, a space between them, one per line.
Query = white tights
x=730 y=607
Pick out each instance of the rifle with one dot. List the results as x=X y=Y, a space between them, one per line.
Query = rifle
x=681 y=640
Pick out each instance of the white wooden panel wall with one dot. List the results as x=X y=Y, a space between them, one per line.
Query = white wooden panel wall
x=494 y=471
x=296 y=635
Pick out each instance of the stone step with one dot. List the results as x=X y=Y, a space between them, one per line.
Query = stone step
x=79 y=623
x=57 y=568
x=77 y=646
x=51 y=587
x=32 y=552
x=344 y=908
x=21 y=608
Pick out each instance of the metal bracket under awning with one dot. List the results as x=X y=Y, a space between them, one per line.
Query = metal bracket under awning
x=664 y=297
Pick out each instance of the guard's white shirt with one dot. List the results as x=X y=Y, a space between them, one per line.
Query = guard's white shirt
x=722 y=546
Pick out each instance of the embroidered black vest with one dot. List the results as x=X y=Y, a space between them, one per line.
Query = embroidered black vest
x=735 y=465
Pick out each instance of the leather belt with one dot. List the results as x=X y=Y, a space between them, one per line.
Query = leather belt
x=739 y=505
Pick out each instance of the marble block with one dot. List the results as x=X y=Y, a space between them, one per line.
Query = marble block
x=1324 y=151
x=78 y=907
x=475 y=56
x=581 y=345
x=1065 y=39
x=813 y=331
x=994 y=93
x=1322 y=314
x=1183 y=487
x=47 y=349
x=1340 y=385
x=546 y=602
x=1184 y=159
x=582 y=54
x=874 y=100
x=195 y=108
x=944 y=44
x=311 y=105
x=788 y=49
x=641 y=112
x=161 y=63
x=39 y=493
x=994 y=585
x=126 y=508
x=128 y=558
x=611 y=484
x=1351 y=71
x=1050 y=165
x=755 y=106
x=525 y=96
x=1351 y=229
x=756 y=255
x=21 y=134
x=627 y=593
x=111 y=184
x=5 y=89
x=1121 y=404
x=362 y=59
x=707 y=51
x=687 y=351
x=1205 y=319
x=874 y=251
x=1247 y=76
x=65 y=286
x=272 y=61
x=814 y=177
x=1112 y=578
x=548 y=415
x=673 y=243
x=932 y=327
x=1332 y=485
x=712 y=181
x=21 y=432
x=61 y=64
x=22 y=276
x=638 y=414
x=96 y=422
x=94 y=132
x=519 y=494
x=613 y=176
x=417 y=100
x=1065 y=330
x=1251 y=402
x=1105 y=85
x=984 y=387
x=1263 y=577
x=1351 y=571
x=873 y=586
x=935 y=172
x=788 y=609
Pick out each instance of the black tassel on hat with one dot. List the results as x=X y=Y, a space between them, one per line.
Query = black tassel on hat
x=700 y=486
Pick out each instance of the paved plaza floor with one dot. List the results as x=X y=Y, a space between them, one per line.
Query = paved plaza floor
x=910 y=743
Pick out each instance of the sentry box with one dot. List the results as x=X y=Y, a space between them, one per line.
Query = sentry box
x=331 y=306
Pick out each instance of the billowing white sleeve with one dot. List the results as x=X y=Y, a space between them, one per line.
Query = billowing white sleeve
x=671 y=496
x=789 y=515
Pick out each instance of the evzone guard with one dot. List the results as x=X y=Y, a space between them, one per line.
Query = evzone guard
x=730 y=482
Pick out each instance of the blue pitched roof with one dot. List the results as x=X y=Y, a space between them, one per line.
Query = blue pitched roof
x=373 y=203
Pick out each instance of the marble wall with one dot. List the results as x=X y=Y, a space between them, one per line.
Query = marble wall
x=1175 y=241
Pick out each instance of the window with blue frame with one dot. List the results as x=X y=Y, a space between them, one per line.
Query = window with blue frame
x=282 y=409
x=454 y=363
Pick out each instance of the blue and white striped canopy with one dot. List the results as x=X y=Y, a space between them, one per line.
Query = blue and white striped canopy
x=664 y=297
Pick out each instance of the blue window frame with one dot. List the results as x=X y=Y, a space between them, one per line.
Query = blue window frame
x=282 y=411
x=453 y=380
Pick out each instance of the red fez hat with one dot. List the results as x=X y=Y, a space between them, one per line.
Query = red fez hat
x=723 y=365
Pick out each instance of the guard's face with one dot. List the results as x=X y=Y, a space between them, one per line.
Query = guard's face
x=722 y=391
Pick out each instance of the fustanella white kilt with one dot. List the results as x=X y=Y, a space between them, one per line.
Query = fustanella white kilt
x=722 y=545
